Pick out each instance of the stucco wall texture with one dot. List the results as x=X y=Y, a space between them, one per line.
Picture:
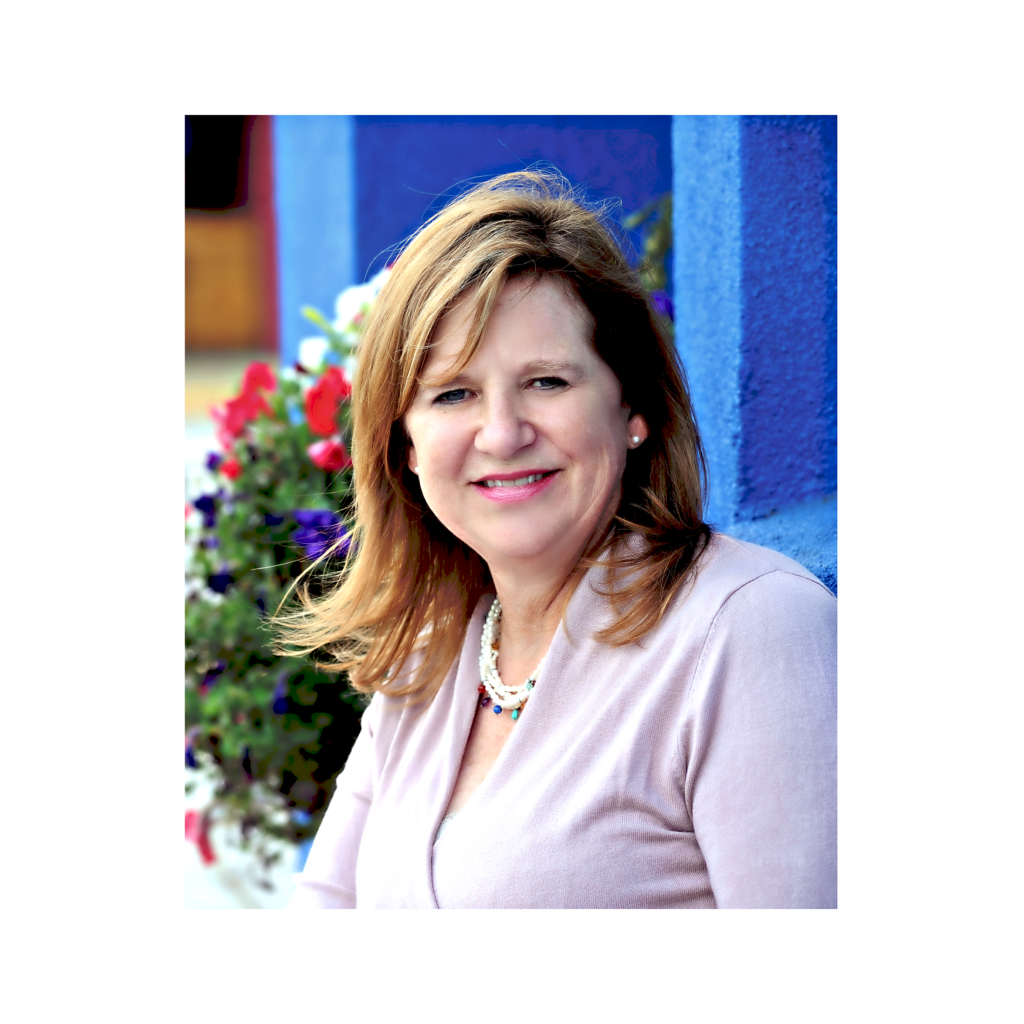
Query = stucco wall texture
x=755 y=293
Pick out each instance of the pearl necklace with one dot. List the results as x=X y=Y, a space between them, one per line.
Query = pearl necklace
x=491 y=687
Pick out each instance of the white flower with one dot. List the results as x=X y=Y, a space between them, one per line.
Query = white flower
x=312 y=352
x=351 y=301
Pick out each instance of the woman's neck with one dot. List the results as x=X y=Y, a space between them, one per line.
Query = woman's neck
x=532 y=596
x=530 y=613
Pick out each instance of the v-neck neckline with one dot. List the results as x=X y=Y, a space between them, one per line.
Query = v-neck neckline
x=466 y=696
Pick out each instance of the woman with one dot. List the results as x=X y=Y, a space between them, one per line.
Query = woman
x=582 y=696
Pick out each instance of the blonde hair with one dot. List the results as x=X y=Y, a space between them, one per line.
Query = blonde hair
x=409 y=584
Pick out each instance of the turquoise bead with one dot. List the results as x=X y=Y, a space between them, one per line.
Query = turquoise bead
x=515 y=714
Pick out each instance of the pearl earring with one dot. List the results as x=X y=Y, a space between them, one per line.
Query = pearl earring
x=636 y=440
x=415 y=469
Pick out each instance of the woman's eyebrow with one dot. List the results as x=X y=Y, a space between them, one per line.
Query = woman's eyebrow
x=441 y=381
x=543 y=366
x=540 y=367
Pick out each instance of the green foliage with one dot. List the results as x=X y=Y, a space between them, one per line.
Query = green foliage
x=656 y=220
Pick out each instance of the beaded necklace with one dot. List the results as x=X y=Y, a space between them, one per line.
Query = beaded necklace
x=491 y=687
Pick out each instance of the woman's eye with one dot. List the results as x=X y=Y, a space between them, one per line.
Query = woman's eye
x=451 y=397
x=548 y=383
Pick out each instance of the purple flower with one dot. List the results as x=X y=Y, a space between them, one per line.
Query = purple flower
x=211 y=542
x=190 y=757
x=211 y=676
x=319 y=517
x=319 y=530
x=220 y=581
x=207 y=504
x=312 y=542
x=271 y=520
x=663 y=304
x=280 y=704
x=213 y=460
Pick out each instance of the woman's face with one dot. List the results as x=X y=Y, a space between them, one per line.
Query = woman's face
x=521 y=454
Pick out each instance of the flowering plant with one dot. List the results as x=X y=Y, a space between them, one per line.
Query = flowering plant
x=655 y=223
x=270 y=732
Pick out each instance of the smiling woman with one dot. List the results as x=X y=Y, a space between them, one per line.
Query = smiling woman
x=529 y=542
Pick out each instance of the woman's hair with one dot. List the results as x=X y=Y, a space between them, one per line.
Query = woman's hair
x=409 y=584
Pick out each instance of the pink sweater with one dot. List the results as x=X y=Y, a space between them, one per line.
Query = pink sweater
x=697 y=769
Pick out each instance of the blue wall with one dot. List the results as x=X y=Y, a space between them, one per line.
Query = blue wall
x=755 y=283
x=349 y=189
x=407 y=168
x=314 y=201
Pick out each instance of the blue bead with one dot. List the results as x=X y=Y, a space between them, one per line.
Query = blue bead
x=497 y=709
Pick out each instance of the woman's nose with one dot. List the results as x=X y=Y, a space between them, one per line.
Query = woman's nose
x=503 y=430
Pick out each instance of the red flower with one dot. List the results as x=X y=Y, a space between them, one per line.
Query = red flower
x=233 y=418
x=329 y=455
x=231 y=468
x=323 y=400
x=197 y=831
x=258 y=375
x=238 y=412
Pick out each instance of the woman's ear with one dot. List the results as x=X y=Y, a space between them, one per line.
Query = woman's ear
x=411 y=459
x=638 y=432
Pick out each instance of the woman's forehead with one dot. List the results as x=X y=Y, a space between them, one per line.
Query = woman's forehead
x=534 y=306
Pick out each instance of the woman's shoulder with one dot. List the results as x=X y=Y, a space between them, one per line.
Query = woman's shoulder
x=390 y=706
x=740 y=590
x=728 y=568
x=386 y=708
x=727 y=572
x=727 y=564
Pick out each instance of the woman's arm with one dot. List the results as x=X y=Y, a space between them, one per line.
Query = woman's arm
x=760 y=750
x=328 y=881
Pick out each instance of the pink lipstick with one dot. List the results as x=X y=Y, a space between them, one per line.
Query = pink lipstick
x=515 y=486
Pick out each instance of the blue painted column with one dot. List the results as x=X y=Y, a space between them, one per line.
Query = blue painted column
x=755 y=297
x=314 y=196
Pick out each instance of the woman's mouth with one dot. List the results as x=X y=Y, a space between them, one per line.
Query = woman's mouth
x=505 y=487
x=518 y=482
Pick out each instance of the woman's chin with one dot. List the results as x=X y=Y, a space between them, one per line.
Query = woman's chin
x=543 y=553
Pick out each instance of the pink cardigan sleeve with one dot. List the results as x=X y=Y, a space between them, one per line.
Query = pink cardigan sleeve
x=328 y=881
x=759 y=746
